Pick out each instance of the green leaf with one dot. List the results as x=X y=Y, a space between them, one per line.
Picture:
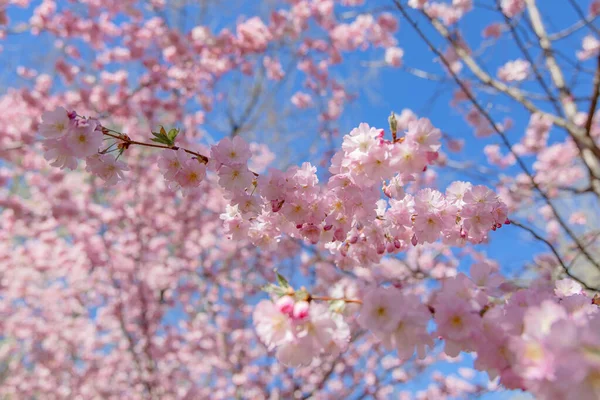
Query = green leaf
x=274 y=290
x=173 y=134
x=282 y=281
x=164 y=137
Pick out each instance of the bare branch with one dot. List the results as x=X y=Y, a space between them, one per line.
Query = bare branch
x=585 y=21
x=486 y=79
x=493 y=125
x=593 y=100
x=581 y=14
x=553 y=68
x=556 y=254
x=533 y=64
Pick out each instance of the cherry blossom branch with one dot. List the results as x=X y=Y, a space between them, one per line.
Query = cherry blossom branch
x=326 y=298
x=493 y=125
x=589 y=151
x=594 y=100
x=128 y=142
x=555 y=71
x=530 y=59
x=483 y=76
x=556 y=254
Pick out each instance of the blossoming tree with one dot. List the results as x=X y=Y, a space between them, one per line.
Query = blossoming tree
x=161 y=241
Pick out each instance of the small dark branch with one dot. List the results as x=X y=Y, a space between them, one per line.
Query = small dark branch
x=492 y=123
x=583 y=190
x=572 y=29
x=556 y=254
x=594 y=99
x=583 y=17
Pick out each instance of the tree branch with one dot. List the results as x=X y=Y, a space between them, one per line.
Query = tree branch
x=492 y=123
x=594 y=100
x=556 y=254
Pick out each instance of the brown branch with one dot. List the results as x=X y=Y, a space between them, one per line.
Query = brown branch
x=586 y=21
x=556 y=254
x=594 y=100
x=534 y=67
x=553 y=68
x=581 y=14
x=514 y=93
x=590 y=153
x=326 y=298
x=128 y=142
x=492 y=123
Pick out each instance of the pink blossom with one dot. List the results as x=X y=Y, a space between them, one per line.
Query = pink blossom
x=230 y=152
x=514 y=71
x=590 y=47
x=456 y=321
x=253 y=35
x=393 y=56
x=107 y=167
x=301 y=310
x=190 y=175
x=595 y=7
x=272 y=326
x=285 y=305
x=493 y=31
x=417 y=3
x=379 y=310
x=83 y=139
x=301 y=100
x=55 y=123
x=59 y=154
x=274 y=69
x=512 y=8
x=171 y=162
x=235 y=178
x=425 y=134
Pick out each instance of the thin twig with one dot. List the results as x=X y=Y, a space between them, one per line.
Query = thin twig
x=493 y=125
x=533 y=64
x=556 y=254
x=326 y=298
x=594 y=100
x=583 y=17
x=572 y=29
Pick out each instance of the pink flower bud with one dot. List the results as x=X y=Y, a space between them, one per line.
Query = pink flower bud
x=339 y=234
x=387 y=191
x=276 y=205
x=301 y=310
x=285 y=305
x=389 y=247
x=414 y=240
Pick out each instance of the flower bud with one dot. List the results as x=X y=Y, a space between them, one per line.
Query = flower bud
x=285 y=305
x=301 y=310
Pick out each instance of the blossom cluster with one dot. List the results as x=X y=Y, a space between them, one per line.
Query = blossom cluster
x=347 y=215
x=300 y=330
x=69 y=139
x=542 y=339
